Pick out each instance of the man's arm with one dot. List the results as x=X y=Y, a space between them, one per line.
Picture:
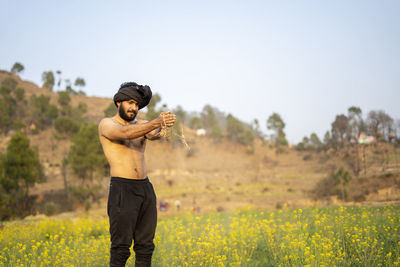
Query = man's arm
x=115 y=131
x=168 y=119
x=152 y=135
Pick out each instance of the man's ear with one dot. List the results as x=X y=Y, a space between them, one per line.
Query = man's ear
x=118 y=104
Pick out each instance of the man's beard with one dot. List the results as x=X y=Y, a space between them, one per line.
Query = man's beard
x=125 y=115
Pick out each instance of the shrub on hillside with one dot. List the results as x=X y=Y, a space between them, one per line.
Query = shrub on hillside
x=333 y=185
x=42 y=113
x=10 y=83
x=237 y=132
x=66 y=126
x=63 y=98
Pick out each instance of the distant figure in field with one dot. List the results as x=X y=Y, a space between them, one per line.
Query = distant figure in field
x=164 y=206
x=177 y=204
x=132 y=204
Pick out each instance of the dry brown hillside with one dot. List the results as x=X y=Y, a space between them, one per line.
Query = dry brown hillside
x=213 y=176
x=95 y=105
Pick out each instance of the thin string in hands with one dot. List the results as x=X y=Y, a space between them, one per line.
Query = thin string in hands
x=167 y=131
x=182 y=138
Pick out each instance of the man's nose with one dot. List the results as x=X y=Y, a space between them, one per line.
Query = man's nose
x=133 y=105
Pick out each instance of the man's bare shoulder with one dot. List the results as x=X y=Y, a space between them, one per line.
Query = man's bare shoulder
x=106 y=123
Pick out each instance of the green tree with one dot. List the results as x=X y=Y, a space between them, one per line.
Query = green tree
x=300 y=146
x=48 y=79
x=315 y=141
x=248 y=137
x=68 y=87
x=180 y=114
x=59 y=80
x=110 y=110
x=256 y=129
x=80 y=83
x=63 y=98
x=18 y=124
x=237 y=132
x=86 y=155
x=327 y=140
x=17 y=68
x=10 y=83
x=208 y=118
x=216 y=131
x=12 y=112
x=66 y=126
x=380 y=124
x=276 y=124
x=356 y=123
x=51 y=113
x=6 y=211
x=340 y=131
x=20 y=94
x=7 y=109
x=4 y=90
x=234 y=128
x=195 y=123
x=42 y=113
x=342 y=177
x=304 y=144
x=21 y=170
x=78 y=111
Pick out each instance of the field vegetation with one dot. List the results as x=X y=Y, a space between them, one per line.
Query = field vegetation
x=340 y=236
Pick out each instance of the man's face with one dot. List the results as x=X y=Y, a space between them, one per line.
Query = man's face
x=128 y=110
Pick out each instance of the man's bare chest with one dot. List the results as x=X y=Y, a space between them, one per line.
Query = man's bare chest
x=137 y=144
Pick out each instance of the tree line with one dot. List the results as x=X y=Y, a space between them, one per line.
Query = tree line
x=346 y=129
x=216 y=123
x=50 y=80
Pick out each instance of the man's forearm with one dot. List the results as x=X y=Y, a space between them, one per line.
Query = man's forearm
x=154 y=135
x=137 y=130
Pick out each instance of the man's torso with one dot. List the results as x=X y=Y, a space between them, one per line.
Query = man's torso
x=126 y=157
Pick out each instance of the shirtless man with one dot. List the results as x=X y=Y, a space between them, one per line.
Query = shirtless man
x=131 y=206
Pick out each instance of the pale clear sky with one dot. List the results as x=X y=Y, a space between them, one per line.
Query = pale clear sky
x=306 y=60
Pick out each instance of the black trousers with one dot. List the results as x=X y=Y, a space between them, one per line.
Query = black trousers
x=132 y=212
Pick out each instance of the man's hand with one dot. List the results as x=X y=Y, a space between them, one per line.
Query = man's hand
x=167 y=119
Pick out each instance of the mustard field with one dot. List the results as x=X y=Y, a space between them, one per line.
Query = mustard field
x=342 y=236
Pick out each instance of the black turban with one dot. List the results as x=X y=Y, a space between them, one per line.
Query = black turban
x=140 y=93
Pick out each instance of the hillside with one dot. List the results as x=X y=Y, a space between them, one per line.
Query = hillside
x=213 y=176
